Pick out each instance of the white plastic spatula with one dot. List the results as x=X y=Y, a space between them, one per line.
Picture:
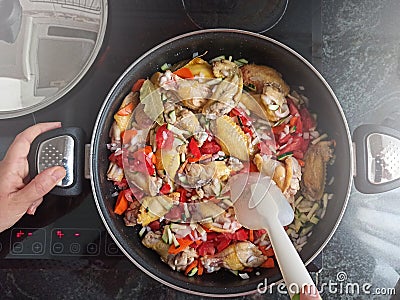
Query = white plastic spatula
x=260 y=204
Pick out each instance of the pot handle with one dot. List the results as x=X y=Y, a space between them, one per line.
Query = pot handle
x=60 y=147
x=377 y=163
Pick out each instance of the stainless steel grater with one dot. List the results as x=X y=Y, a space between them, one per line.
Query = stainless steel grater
x=58 y=151
x=60 y=147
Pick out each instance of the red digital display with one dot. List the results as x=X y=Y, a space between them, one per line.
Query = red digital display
x=59 y=233
x=20 y=234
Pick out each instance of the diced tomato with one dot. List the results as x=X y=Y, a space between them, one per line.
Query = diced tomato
x=283 y=139
x=298 y=143
x=242 y=235
x=121 y=184
x=222 y=244
x=269 y=252
x=228 y=235
x=182 y=193
x=165 y=189
x=244 y=118
x=299 y=126
x=117 y=159
x=306 y=119
x=269 y=263
x=155 y=225
x=259 y=233
x=142 y=163
x=210 y=147
x=164 y=138
x=298 y=154
x=247 y=130
x=278 y=129
x=292 y=107
x=194 y=148
x=211 y=236
x=128 y=194
x=206 y=248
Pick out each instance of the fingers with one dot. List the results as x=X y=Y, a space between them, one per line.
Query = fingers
x=43 y=183
x=310 y=293
x=32 y=209
x=21 y=144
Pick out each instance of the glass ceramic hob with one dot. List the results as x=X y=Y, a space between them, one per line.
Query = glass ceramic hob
x=67 y=232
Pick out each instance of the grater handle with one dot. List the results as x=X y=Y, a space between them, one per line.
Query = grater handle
x=65 y=147
x=376 y=166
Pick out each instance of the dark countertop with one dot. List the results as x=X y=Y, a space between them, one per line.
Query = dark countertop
x=360 y=60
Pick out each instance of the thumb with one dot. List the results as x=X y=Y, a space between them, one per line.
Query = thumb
x=43 y=183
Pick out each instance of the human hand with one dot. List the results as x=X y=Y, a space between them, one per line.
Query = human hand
x=309 y=293
x=17 y=197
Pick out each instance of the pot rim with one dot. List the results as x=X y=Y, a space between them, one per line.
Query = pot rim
x=96 y=129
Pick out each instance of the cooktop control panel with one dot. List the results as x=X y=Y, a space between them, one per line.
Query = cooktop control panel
x=40 y=243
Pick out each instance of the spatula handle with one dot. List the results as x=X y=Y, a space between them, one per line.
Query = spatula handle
x=292 y=267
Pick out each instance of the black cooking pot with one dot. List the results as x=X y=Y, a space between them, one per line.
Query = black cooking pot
x=296 y=72
x=262 y=50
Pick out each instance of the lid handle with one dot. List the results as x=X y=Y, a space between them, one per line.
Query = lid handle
x=377 y=153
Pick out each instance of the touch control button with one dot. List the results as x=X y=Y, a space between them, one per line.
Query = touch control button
x=17 y=248
x=58 y=248
x=75 y=248
x=37 y=247
x=112 y=249
x=91 y=248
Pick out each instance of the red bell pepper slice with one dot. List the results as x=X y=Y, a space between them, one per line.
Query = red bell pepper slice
x=138 y=85
x=194 y=148
x=278 y=129
x=155 y=225
x=206 y=248
x=223 y=242
x=306 y=119
x=294 y=111
x=298 y=143
x=128 y=194
x=244 y=118
x=241 y=235
x=284 y=139
x=184 y=73
x=210 y=147
x=142 y=163
x=164 y=138
x=126 y=110
x=165 y=189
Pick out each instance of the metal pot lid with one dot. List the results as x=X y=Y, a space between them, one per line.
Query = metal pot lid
x=46 y=47
x=257 y=16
